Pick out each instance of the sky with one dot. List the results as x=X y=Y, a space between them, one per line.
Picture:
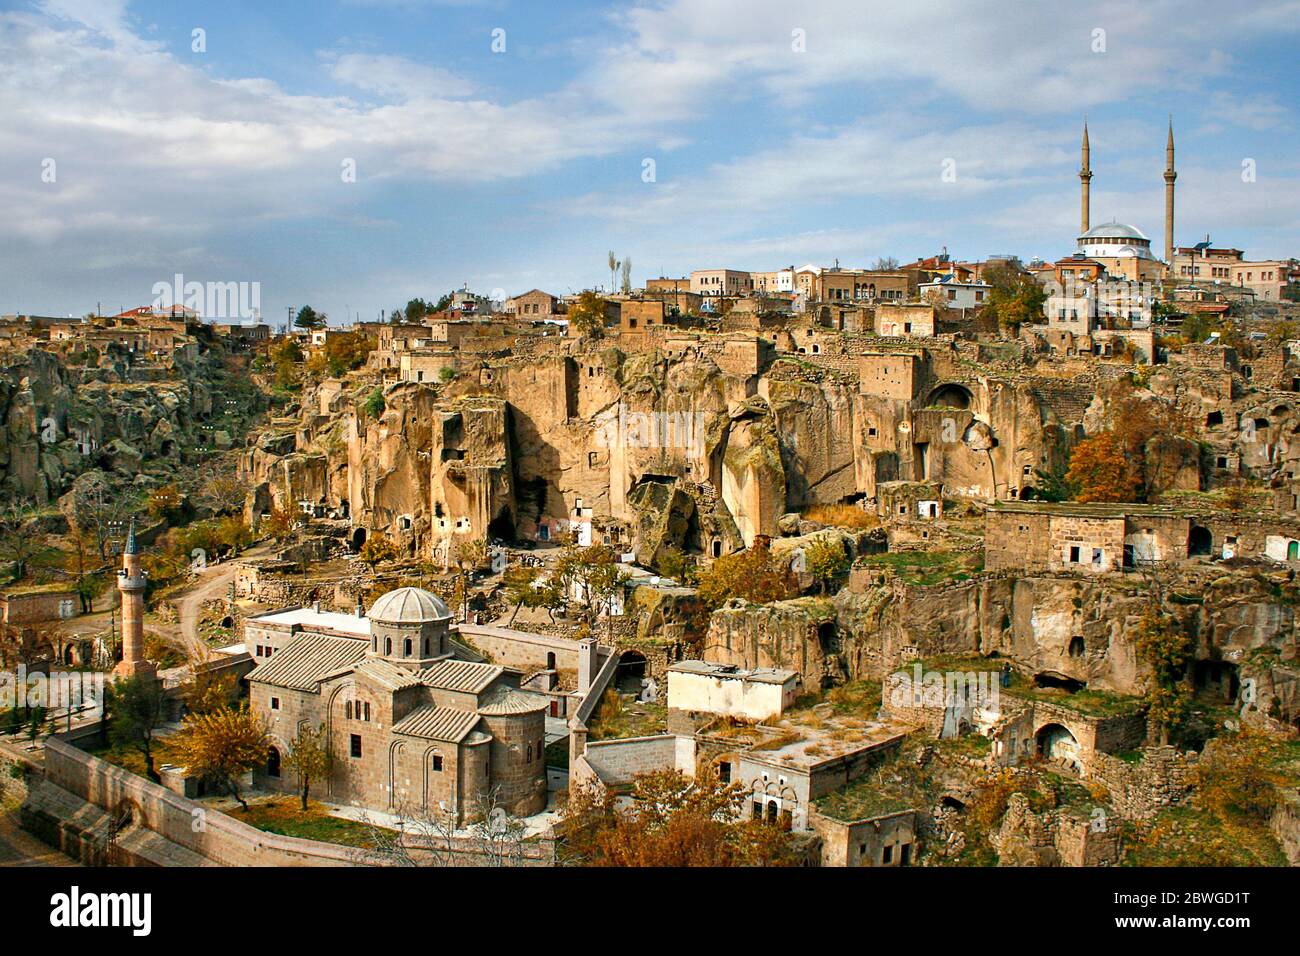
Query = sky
x=352 y=155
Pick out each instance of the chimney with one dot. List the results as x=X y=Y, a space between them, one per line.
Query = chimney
x=586 y=664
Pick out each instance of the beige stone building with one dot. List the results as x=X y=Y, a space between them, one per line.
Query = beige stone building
x=411 y=726
x=535 y=304
x=1266 y=278
x=712 y=283
x=895 y=319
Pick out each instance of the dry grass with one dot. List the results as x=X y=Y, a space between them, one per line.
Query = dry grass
x=842 y=516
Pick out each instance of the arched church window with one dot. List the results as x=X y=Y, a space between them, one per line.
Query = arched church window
x=347 y=710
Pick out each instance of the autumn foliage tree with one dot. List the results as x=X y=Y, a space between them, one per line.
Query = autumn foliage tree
x=309 y=757
x=222 y=746
x=587 y=315
x=1102 y=471
x=1015 y=297
x=754 y=575
x=1164 y=645
x=674 y=821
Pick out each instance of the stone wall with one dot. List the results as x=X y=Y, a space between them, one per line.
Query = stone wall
x=209 y=833
x=1138 y=791
x=616 y=762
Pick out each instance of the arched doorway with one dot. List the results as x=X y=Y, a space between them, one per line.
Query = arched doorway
x=1076 y=647
x=1200 y=541
x=951 y=395
x=273 y=763
x=358 y=538
x=1055 y=742
x=630 y=671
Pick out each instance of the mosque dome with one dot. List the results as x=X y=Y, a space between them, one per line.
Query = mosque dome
x=1115 y=230
x=1115 y=240
x=408 y=606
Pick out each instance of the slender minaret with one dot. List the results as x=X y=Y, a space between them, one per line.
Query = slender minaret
x=1085 y=178
x=1170 y=176
x=131 y=584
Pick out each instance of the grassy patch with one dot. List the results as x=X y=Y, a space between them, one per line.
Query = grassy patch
x=861 y=801
x=287 y=818
x=1188 y=836
x=618 y=718
x=926 y=567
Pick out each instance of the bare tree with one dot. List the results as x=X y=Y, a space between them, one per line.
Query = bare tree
x=98 y=510
x=20 y=539
x=428 y=838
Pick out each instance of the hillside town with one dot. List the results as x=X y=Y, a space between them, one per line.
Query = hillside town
x=960 y=561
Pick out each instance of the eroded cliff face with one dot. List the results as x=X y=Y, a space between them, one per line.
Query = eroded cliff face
x=57 y=420
x=1062 y=626
x=583 y=432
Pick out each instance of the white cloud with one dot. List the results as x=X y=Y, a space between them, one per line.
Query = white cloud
x=397 y=77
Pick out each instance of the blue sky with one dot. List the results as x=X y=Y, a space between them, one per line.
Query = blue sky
x=781 y=133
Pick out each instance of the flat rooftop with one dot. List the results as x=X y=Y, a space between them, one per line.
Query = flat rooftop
x=762 y=675
x=1095 y=509
x=309 y=619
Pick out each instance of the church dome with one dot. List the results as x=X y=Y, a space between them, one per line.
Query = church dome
x=408 y=606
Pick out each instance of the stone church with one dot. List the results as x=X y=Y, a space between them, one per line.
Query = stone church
x=410 y=723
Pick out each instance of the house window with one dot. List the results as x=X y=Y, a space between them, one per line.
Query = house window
x=275 y=703
x=437 y=763
x=356 y=745
x=724 y=771
x=887 y=855
x=1074 y=554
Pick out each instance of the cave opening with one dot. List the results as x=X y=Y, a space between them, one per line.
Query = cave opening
x=1050 y=680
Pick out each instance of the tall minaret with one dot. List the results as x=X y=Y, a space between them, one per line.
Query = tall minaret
x=131 y=584
x=1170 y=176
x=1085 y=177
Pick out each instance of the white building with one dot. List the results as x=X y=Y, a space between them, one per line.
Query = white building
x=955 y=294
x=724 y=689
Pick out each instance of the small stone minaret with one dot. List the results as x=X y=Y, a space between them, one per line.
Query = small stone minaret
x=131 y=583
x=1085 y=178
x=1170 y=176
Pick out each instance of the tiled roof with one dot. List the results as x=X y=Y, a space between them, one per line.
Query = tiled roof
x=387 y=674
x=507 y=700
x=302 y=664
x=437 y=723
x=465 y=676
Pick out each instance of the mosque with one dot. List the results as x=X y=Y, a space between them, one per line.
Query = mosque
x=1124 y=250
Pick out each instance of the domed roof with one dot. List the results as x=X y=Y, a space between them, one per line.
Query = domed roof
x=408 y=606
x=1115 y=230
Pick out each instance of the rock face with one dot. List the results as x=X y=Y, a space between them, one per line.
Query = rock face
x=1066 y=627
x=688 y=449
x=58 y=420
